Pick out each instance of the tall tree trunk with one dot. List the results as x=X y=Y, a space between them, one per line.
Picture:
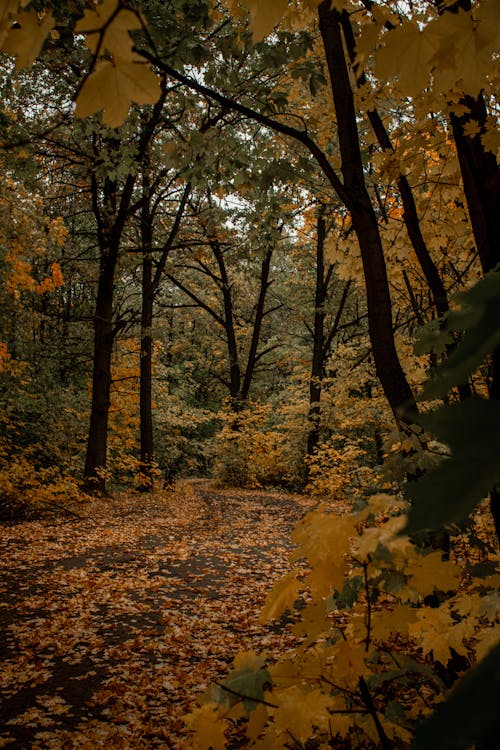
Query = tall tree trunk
x=410 y=215
x=146 y=354
x=229 y=327
x=388 y=367
x=111 y=208
x=95 y=461
x=481 y=179
x=317 y=364
x=257 y=324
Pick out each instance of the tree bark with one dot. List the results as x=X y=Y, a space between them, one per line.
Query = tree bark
x=95 y=461
x=410 y=215
x=388 y=367
x=257 y=324
x=481 y=179
x=146 y=350
x=318 y=354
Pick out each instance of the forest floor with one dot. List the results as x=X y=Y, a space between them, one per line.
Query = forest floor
x=112 y=623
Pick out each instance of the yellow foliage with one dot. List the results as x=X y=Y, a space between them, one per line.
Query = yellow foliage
x=207 y=727
x=106 y=27
x=354 y=633
x=299 y=709
x=282 y=597
x=113 y=85
x=25 y=39
x=432 y=572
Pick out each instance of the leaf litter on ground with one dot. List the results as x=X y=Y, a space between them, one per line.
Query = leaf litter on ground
x=113 y=623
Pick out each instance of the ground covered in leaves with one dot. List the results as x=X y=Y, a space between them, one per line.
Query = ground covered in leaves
x=112 y=623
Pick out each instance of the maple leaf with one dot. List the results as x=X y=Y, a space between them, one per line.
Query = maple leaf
x=112 y=87
x=436 y=631
x=486 y=640
x=209 y=730
x=395 y=620
x=406 y=53
x=116 y=37
x=26 y=39
x=245 y=682
x=324 y=577
x=464 y=52
x=281 y=598
x=299 y=710
x=349 y=661
x=265 y=16
x=8 y=9
x=430 y=572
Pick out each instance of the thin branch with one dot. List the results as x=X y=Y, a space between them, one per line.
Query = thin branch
x=299 y=135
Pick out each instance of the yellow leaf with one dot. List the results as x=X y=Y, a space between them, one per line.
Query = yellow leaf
x=324 y=577
x=113 y=86
x=465 y=604
x=397 y=620
x=406 y=52
x=25 y=41
x=282 y=597
x=324 y=537
x=431 y=572
x=463 y=52
x=116 y=38
x=299 y=710
x=435 y=630
x=8 y=9
x=248 y=660
x=208 y=728
x=264 y=16
x=486 y=640
x=256 y=722
x=349 y=661
x=372 y=537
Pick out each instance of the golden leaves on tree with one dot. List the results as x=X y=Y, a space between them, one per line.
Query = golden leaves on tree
x=25 y=39
x=125 y=78
x=112 y=87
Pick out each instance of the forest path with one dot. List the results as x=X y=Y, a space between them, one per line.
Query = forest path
x=111 y=624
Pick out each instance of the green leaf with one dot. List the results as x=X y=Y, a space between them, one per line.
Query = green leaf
x=480 y=317
x=451 y=491
x=470 y=715
x=245 y=684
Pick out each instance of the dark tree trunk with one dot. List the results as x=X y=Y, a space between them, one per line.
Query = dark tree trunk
x=318 y=354
x=150 y=286
x=146 y=376
x=388 y=367
x=229 y=327
x=111 y=208
x=146 y=353
x=410 y=215
x=257 y=325
x=481 y=179
x=95 y=462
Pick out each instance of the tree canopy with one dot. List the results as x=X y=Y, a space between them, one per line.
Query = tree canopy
x=262 y=239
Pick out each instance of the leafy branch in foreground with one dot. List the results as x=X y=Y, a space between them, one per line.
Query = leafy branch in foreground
x=385 y=628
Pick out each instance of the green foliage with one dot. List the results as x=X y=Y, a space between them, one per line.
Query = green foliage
x=246 y=682
x=478 y=319
x=470 y=715
x=451 y=492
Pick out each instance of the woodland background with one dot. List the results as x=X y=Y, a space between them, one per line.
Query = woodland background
x=264 y=246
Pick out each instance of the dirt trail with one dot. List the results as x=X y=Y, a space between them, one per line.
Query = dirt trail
x=111 y=624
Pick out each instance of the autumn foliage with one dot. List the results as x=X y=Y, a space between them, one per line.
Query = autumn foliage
x=259 y=241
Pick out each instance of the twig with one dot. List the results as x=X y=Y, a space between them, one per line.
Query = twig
x=385 y=743
x=245 y=697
